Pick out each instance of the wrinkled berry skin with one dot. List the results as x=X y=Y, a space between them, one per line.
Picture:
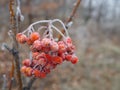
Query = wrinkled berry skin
x=46 y=54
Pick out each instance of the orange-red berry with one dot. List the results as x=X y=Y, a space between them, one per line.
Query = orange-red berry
x=21 y=38
x=34 y=36
x=26 y=62
x=23 y=69
x=74 y=59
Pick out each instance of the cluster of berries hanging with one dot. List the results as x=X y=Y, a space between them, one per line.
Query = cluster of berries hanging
x=47 y=52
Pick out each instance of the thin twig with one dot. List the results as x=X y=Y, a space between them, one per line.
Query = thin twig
x=71 y=17
x=11 y=76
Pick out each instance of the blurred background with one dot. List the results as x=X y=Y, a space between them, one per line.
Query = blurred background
x=95 y=33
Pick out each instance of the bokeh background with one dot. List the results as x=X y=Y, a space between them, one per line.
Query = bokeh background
x=95 y=33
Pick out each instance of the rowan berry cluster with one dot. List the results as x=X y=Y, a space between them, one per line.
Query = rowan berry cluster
x=46 y=53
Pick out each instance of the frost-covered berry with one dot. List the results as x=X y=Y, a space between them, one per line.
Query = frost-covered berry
x=37 y=45
x=21 y=38
x=46 y=42
x=26 y=62
x=54 y=46
x=62 y=47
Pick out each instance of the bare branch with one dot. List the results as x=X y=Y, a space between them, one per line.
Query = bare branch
x=14 y=50
x=28 y=87
x=71 y=16
x=11 y=76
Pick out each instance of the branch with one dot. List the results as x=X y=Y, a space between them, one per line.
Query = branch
x=14 y=50
x=71 y=16
x=28 y=87
x=74 y=11
x=11 y=76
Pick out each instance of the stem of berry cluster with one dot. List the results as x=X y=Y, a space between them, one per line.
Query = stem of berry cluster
x=50 y=27
x=14 y=26
x=71 y=17
x=29 y=85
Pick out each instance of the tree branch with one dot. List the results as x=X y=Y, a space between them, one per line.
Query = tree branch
x=28 y=87
x=14 y=50
x=71 y=17
x=11 y=76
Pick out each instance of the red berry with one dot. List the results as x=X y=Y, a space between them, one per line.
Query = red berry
x=48 y=57
x=34 y=36
x=41 y=61
x=68 y=40
x=47 y=71
x=29 y=41
x=34 y=62
x=36 y=73
x=28 y=71
x=62 y=46
x=54 y=46
x=37 y=45
x=23 y=69
x=26 y=62
x=48 y=66
x=68 y=57
x=46 y=42
x=42 y=74
x=56 y=59
x=62 y=55
x=35 y=54
x=41 y=55
x=74 y=59
x=21 y=38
